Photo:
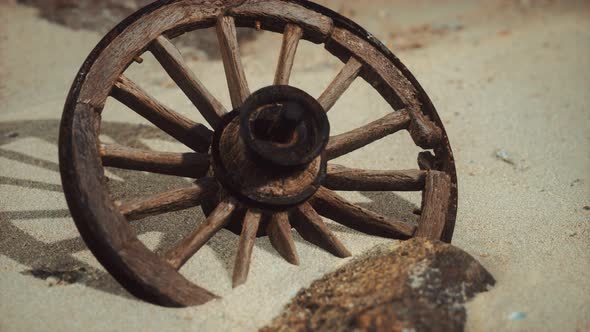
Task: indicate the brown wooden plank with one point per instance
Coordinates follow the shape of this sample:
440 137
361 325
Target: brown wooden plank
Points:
194 135
187 247
291 38
331 205
171 59
312 228
232 62
278 13
435 205
424 132
173 18
340 84
381 73
344 178
193 165
357 138
245 246
279 233
169 201
389 80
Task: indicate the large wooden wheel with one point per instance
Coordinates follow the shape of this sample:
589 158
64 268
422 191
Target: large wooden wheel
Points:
265 167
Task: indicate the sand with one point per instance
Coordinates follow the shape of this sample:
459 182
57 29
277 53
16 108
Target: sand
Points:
510 79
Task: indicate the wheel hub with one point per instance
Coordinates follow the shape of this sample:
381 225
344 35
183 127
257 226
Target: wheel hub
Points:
268 152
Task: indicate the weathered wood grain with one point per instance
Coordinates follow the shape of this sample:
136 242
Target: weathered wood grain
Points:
381 73
194 135
357 138
312 228
193 165
340 84
125 43
344 178
435 205
389 80
232 62
291 38
275 14
279 233
331 205
424 132
172 61
245 246
169 201
187 247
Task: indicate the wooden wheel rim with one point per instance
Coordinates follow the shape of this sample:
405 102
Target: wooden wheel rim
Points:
103 228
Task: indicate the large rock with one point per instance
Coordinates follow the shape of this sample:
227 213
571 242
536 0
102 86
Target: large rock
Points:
417 285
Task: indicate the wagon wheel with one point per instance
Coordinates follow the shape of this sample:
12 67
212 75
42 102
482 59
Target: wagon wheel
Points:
264 168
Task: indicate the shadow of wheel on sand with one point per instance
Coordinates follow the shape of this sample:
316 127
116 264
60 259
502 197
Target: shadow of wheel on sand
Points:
56 262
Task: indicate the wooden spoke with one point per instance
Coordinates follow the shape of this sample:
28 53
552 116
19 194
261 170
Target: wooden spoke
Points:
230 53
171 59
291 37
435 205
341 82
343 178
331 205
279 232
169 201
205 231
312 228
357 138
424 132
193 165
194 135
245 245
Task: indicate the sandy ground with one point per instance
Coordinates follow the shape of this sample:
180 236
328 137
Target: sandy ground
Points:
507 77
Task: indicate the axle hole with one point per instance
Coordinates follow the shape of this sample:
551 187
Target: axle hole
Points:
276 123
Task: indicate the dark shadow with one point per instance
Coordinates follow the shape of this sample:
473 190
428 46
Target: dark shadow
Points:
30 184
23 158
388 204
35 214
39 256
56 259
391 205
49 259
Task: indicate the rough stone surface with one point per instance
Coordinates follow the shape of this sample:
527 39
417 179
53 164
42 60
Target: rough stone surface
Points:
417 285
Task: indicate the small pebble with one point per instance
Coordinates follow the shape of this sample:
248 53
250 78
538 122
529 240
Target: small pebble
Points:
517 315
52 281
12 134
503 155
587 208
